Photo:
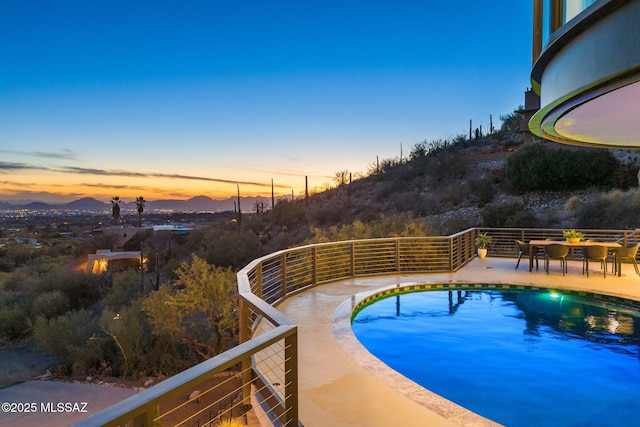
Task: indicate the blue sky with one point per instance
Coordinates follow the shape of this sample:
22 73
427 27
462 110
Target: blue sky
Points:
176 99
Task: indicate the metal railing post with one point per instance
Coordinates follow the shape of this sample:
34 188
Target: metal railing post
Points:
283 275
259 280
291 379
314 265
450 253
397 255
244 325
146 419
353 258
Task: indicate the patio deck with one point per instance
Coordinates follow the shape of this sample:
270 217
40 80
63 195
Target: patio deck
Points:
342 384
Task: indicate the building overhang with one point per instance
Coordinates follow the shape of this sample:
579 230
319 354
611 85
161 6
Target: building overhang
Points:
588 79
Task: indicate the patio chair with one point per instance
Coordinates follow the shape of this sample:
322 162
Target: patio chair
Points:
596 253
524 249
559 252
628 253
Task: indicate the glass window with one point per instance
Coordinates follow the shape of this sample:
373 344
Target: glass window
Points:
546 21
574 7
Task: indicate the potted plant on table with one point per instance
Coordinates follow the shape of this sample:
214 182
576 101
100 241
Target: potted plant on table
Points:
482 241
573 236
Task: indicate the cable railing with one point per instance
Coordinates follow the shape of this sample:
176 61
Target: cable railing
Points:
502 243
263 367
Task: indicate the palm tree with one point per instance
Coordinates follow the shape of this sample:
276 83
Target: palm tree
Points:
140 205
115 202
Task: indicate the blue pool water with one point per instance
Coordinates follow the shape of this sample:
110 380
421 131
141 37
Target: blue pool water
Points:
521 358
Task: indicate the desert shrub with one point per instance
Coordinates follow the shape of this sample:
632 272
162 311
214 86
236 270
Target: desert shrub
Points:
615 210
454 225
408 202
387 166
401 173
386 189
432 148
447 165
511 121
484 191
595 214
507 215
367 214
624 176
497 175
5 266
22 280
198 309
50 304
535 167
572 204
327 214
19 254
255 223
67 336
235 248
402 201
14 324
400 225
124 339
81 289
454 193
124 289
287 213
170 268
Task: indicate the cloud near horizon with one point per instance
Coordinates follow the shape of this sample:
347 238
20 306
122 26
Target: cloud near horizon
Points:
69 169
11 166
19 166
65 154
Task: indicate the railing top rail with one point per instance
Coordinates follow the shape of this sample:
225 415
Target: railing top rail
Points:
144 401
273 255
273 315
243 280
586 230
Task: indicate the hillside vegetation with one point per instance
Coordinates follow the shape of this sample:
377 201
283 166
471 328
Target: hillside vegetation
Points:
181 310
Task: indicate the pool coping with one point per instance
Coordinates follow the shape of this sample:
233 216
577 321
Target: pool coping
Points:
343 334
343 384
346 339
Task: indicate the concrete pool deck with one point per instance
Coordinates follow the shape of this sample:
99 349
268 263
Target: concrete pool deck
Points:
342 384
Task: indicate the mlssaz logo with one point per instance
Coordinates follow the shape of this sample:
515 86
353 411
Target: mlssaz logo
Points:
63 407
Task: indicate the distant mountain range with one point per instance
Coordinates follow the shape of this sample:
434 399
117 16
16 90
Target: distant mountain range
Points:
194 204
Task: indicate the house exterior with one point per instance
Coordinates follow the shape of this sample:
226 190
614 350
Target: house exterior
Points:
586 71
99 262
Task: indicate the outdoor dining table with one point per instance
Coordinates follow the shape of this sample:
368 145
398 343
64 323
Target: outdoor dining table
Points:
535 244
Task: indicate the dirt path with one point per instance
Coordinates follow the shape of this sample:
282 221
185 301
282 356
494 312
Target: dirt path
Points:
22 362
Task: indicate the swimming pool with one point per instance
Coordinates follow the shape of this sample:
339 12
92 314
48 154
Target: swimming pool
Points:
518 357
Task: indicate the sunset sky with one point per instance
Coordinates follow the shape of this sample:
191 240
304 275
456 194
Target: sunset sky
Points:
169 99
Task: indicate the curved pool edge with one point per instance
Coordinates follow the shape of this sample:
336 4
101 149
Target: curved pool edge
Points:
335 390
346 339
341 328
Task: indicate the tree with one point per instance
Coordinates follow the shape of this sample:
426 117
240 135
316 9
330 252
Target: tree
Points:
115 210
341 178
197 309
511 121
140 207
126 330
